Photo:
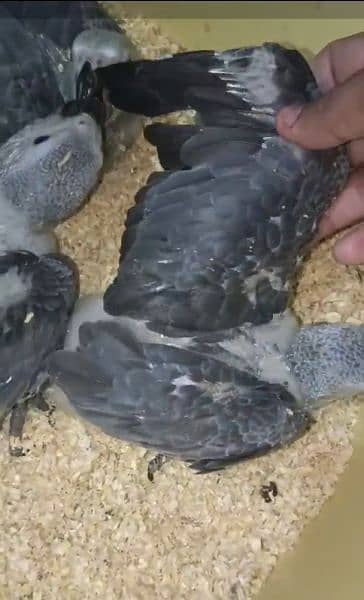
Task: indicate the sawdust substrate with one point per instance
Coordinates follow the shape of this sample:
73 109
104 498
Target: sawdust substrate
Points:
79 518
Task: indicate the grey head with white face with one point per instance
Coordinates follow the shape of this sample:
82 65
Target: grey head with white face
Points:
48 169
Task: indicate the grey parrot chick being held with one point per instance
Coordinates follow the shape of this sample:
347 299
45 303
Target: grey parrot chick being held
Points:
194 351
37 296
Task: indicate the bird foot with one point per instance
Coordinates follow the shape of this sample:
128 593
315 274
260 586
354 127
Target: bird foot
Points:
17 420
155 465
40 403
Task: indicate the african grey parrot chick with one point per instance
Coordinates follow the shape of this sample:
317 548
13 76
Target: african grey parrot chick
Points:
51 152
178 401
62 37
37 296
195 352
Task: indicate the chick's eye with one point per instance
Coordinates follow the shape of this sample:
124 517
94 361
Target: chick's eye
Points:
41 139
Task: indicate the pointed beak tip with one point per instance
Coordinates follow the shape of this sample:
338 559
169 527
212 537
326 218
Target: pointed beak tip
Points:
91 106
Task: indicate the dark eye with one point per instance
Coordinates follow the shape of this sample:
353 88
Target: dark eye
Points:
41 139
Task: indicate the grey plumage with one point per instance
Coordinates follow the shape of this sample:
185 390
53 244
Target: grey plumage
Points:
51 156
42 50
28 86
240 202
196 353
72 33
51 159
49 168
327 360
37 296
174 400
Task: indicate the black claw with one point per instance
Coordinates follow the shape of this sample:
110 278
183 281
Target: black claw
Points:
155 465
268 492
2 421
17 421
51 420
16 450
39 403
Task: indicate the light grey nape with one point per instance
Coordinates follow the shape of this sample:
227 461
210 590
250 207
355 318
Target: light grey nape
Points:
101 47
90 309
328 361
16 233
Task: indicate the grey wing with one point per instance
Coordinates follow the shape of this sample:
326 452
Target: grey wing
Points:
33 321
221 86
215 241
28 87
22 350
174 401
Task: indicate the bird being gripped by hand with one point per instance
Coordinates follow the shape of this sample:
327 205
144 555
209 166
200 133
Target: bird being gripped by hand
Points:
194 351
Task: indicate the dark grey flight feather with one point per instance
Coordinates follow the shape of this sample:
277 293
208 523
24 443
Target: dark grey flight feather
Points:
174 401
37 296
200 81
216 240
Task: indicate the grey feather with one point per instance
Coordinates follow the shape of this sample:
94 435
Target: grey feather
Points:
50 160
197 354
216 241
40 55
28 87
172 400
43 49
37 296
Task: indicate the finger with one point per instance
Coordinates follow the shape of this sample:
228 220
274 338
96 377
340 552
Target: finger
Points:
349 250
338 61
333 119
347 210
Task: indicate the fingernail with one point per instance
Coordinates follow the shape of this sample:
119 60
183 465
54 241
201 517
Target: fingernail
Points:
289 115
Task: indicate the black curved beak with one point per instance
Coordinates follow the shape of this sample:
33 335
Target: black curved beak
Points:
89 97
91 106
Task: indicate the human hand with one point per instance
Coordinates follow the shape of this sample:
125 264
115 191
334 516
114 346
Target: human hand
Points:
336 118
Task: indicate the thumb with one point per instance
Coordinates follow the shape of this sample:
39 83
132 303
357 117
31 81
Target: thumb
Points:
349 250
334 119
